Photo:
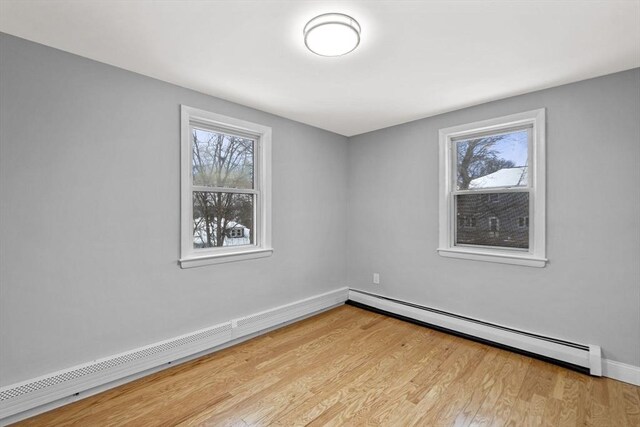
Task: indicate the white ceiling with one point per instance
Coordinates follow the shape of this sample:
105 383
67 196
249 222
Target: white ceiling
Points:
416 58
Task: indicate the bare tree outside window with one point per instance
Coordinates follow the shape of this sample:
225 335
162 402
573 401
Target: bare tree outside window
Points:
487 168
479 157
494 168
221 164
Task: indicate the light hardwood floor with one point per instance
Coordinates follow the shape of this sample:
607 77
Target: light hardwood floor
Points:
352 367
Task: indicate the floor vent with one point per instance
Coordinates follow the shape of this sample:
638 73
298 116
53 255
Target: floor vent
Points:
580 357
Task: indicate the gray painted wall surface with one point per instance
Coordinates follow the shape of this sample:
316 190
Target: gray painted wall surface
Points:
89 162
89 189
590 290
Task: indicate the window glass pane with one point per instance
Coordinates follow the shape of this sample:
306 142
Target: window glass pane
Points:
221 160
498 160
222 219
487 220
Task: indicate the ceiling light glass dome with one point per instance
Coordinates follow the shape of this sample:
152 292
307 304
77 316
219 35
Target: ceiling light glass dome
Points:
332 34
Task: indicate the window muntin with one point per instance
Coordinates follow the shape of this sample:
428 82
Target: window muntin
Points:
494 169
225 189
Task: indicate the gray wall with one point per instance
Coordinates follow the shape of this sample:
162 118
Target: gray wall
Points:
89 161
590 290
89 190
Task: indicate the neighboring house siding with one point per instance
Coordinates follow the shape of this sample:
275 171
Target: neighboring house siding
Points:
494 219
511 211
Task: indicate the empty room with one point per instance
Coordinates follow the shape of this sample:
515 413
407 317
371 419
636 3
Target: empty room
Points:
324 213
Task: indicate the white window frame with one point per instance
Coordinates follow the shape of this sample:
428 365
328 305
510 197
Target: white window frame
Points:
535 256
191 257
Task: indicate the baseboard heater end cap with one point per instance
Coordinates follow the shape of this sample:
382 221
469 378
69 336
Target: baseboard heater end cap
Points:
595 360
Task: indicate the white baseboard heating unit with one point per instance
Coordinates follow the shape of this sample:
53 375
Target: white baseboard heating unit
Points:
28 398
581 357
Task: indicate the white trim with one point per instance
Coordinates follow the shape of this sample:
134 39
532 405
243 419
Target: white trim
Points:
190 257
536 188
595 360
554 350
199 261
621 371
28 405
462 252
30 401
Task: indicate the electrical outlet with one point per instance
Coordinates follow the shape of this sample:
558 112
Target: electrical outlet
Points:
376 278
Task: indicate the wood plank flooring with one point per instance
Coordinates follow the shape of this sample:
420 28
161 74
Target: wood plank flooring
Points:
352 367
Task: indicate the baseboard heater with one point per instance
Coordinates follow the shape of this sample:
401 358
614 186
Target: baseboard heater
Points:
28 398
580 357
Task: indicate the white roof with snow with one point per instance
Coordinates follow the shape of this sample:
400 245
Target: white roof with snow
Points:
507 177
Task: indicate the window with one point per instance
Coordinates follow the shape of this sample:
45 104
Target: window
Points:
466 221
238 233
492 180
225 173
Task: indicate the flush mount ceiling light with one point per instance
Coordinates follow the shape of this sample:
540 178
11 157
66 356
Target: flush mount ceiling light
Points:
332 34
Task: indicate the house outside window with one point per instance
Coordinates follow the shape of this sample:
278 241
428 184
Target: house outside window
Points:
493 171
225 189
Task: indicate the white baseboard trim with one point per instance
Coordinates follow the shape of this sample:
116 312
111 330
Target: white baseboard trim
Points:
28 398
621 371
33 397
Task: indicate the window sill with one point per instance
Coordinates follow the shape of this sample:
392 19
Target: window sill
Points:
500 257
199 261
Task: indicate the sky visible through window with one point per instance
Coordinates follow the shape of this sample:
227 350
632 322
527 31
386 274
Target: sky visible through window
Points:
501 157
514 147
486 218
222 161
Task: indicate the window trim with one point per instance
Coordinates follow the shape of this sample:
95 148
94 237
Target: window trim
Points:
190 257
535 256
